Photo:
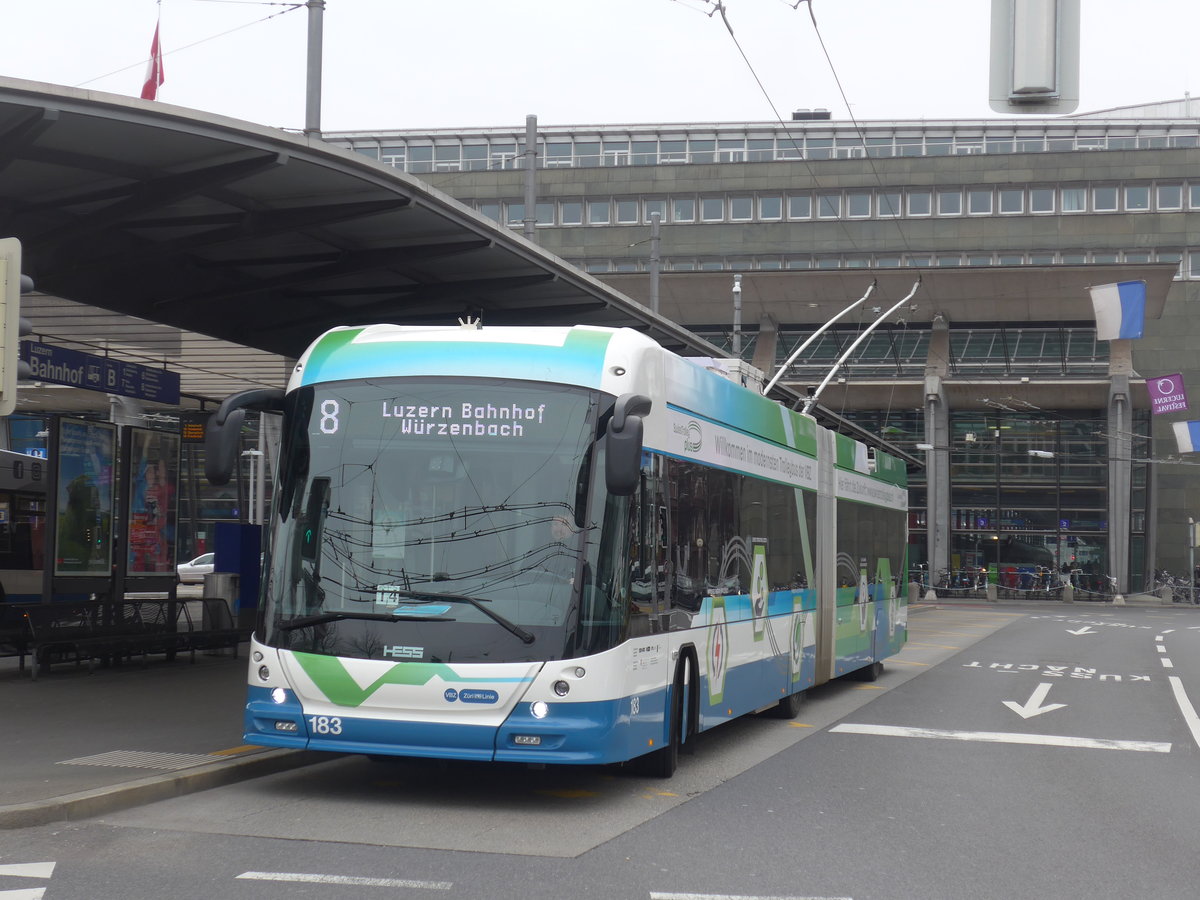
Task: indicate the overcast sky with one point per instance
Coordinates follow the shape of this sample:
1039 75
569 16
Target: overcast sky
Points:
445 63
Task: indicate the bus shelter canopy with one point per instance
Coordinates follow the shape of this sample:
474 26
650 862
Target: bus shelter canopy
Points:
207 226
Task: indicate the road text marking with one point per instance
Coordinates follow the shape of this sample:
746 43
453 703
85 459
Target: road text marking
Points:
1002 737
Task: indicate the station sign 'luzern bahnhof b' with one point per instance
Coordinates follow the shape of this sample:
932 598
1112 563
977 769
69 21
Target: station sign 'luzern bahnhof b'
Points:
58 365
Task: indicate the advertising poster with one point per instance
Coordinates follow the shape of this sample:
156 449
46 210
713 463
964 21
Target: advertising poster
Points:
84 534
154 483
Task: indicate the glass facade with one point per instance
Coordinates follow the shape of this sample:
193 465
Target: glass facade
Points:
1017 512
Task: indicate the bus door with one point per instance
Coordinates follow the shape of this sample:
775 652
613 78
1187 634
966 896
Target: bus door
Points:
651 574
891 617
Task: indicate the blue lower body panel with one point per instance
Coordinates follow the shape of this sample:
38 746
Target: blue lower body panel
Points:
579 733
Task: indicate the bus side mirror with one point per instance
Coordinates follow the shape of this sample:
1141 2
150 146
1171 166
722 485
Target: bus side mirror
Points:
623 444
222 437
221 445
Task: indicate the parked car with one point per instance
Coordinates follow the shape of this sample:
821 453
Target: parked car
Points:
193 572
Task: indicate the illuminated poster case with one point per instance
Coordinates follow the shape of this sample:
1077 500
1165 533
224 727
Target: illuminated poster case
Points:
83 538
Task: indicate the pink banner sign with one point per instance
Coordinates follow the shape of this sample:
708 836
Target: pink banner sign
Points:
1167 394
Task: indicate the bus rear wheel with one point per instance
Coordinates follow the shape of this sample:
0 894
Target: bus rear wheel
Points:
870 672
787 708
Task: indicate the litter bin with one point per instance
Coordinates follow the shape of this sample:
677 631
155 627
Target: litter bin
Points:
225 586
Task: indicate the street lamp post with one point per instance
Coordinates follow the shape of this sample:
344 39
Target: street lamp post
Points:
1192 558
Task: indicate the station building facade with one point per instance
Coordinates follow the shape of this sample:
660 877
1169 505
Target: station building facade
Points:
1038 441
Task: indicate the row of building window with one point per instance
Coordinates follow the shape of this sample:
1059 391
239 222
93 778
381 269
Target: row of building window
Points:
456 154
775 262
903 351
852 204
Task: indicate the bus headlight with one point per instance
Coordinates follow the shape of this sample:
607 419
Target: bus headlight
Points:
561 688
264 673
279 695
539 709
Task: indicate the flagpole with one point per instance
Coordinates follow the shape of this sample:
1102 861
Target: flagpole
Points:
312 109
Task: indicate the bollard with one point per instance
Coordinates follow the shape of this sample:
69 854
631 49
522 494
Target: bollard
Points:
1118 600
931 596
993 593
1068 593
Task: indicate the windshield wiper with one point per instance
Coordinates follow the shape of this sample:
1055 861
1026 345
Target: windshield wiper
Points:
473 601
322 618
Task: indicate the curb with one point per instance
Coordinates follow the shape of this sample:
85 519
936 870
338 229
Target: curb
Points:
153 788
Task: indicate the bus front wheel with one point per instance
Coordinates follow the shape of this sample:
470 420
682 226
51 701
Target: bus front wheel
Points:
662 763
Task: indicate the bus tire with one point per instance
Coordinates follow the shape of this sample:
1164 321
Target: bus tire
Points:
788 707
870 672
662 763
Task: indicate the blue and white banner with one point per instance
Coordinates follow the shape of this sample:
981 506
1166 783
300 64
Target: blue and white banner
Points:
1120 309
1188 436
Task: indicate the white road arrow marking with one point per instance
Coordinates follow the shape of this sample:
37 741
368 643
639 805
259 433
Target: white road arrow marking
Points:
1033 706
1083 630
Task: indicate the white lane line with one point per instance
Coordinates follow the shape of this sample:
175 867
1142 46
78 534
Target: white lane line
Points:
1167 664
347 879
29 870
1004 737
1161 649
1185 707
24 894
658 895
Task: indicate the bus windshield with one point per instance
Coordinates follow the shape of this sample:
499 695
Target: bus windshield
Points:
447 520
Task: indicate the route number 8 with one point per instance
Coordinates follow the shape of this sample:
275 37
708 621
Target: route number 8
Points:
329 417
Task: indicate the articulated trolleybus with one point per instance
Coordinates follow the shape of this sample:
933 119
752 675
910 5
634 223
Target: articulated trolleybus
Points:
554 545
